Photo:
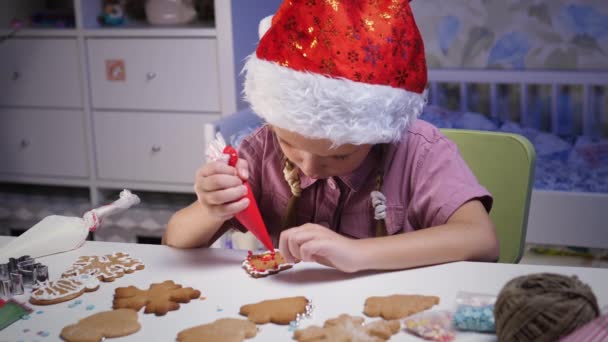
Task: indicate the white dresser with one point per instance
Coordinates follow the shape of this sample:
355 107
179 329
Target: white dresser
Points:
107 108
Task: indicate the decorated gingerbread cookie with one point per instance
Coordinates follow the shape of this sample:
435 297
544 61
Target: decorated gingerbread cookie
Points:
225 329
106 324
64 289
107 267
349 328
158 299
398 306
278 311
267 263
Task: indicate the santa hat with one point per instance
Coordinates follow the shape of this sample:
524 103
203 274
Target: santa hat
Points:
348 71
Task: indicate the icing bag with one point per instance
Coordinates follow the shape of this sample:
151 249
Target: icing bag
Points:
57 234
250 217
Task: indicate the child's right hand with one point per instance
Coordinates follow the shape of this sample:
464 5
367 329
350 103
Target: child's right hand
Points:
220 189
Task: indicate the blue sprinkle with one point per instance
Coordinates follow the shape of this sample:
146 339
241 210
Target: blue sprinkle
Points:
26 317
219 309
475 318
90 307
78 302
71 305
39 312
44 333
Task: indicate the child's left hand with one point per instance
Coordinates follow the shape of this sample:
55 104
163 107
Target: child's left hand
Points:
313 242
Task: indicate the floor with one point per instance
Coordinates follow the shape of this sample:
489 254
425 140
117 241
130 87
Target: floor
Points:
565 256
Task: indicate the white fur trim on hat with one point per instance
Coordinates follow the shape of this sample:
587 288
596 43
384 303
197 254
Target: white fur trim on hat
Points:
264 26
320 107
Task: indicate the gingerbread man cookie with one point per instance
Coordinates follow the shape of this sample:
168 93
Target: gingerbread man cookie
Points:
265 264
158 299
62 290
106 324
278 311
107 267
398 306
349 328
225 329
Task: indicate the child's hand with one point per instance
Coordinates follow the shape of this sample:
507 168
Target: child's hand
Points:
313 242
220 190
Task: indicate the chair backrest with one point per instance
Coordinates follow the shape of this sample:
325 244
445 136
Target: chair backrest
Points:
504 164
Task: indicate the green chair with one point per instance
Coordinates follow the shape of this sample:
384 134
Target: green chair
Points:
504 164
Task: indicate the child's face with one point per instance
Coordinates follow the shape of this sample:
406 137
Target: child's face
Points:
316 158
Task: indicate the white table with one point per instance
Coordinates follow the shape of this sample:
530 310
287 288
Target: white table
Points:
218 274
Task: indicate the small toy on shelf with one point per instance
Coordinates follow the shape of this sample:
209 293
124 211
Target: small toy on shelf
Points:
112 13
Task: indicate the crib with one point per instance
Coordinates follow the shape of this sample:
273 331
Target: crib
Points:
565 104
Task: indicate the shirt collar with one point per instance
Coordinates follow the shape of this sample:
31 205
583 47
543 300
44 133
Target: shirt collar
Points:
356 179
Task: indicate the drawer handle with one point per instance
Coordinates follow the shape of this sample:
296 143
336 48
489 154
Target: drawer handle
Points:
156 148
25 143
16 75
150 76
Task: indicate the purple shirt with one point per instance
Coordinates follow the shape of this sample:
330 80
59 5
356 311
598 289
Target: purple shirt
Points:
425 181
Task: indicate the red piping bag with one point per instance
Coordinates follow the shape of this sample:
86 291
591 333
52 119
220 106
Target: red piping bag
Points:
250 217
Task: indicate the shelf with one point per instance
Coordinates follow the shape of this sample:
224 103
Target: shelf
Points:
145 186
44 180
37 14
34 32
151 32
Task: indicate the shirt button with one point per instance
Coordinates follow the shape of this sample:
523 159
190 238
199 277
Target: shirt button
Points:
331 183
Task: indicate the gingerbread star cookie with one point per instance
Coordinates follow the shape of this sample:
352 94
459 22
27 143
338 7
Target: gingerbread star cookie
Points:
107 267
398 306
106 324
62 290
159 299
349 328
225 329
265 264
278 311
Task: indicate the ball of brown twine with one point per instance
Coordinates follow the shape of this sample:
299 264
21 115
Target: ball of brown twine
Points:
543 307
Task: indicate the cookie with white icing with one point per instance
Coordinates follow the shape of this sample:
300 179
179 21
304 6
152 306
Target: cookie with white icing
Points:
107 267
265 264
63 289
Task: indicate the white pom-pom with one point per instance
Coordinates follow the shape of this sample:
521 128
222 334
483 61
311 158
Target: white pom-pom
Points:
264 26
379 203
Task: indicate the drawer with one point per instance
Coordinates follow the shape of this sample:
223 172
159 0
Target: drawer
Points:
40 72
150 147
38 142
154 74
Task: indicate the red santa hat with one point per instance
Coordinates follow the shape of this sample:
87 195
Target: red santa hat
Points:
348 71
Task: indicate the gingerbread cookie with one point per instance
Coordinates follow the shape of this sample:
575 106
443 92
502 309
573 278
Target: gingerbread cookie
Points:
267 263
158 299
349 328
106 324
225 329
107 267
398 306
62 290
279 311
